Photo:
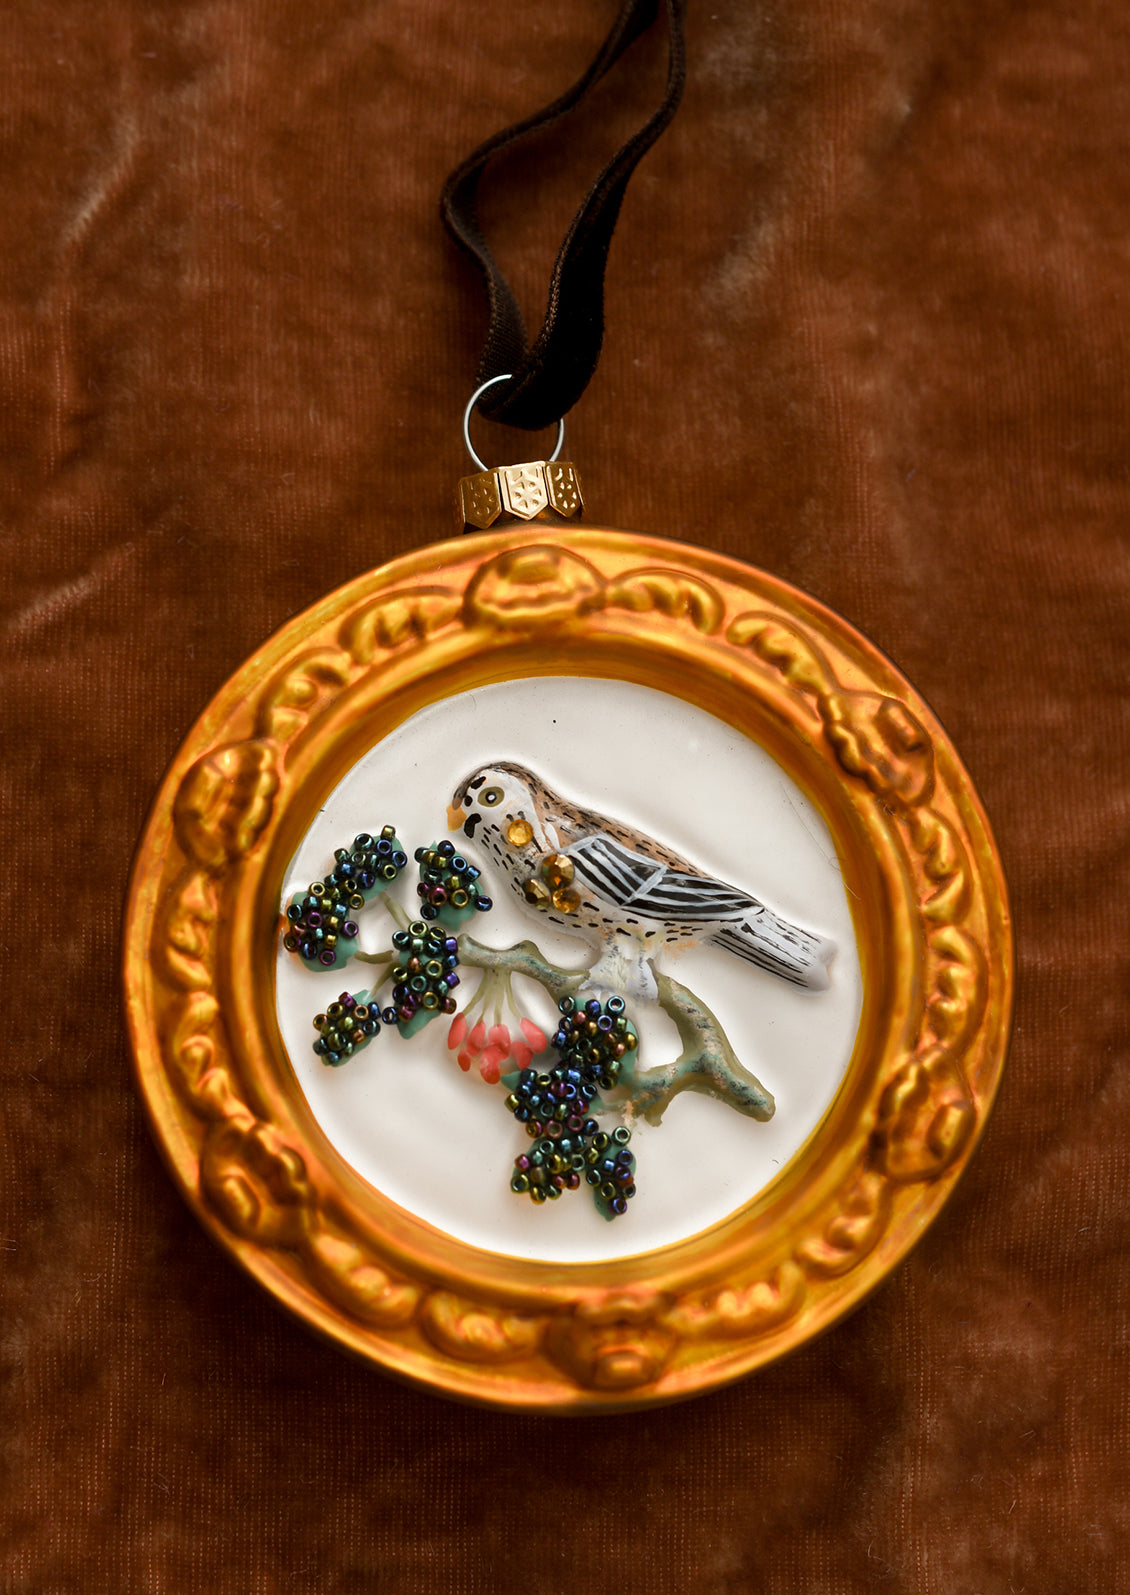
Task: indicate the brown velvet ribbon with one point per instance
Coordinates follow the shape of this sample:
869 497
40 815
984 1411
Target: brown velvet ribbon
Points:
549 376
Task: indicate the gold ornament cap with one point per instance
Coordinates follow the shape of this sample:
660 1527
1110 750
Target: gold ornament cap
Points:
540 490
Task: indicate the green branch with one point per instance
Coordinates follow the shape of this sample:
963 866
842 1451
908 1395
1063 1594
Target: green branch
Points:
707 1062
523 959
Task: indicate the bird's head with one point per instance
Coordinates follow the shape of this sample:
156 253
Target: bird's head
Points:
498 800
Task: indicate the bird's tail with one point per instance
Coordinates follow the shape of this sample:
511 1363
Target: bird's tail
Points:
785 950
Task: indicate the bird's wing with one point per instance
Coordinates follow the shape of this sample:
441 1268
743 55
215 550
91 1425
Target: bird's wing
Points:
744 927
641 886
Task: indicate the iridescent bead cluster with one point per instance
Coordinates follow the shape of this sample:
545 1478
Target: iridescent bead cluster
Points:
344 1029
595 1038
592 1041
424 976
320 927
448 887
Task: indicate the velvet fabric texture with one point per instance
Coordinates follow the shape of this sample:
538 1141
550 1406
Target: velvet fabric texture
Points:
867 313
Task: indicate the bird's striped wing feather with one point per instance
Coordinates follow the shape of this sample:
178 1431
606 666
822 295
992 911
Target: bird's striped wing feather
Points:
610 870
639 886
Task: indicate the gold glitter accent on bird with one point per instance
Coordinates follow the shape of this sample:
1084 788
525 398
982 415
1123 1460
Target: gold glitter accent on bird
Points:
553 882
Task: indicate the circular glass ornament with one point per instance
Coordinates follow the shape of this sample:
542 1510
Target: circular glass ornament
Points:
611 1325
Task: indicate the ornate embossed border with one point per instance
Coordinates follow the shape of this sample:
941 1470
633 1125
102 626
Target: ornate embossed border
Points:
932 926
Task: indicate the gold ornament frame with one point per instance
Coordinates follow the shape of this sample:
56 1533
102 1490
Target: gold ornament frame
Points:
932 928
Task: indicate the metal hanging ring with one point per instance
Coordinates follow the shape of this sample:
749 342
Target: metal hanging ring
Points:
467 413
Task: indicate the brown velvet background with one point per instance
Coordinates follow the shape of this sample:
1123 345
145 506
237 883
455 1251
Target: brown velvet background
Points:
867 323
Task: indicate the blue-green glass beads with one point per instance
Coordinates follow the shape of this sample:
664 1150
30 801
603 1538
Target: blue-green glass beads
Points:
596 1038
344 1029
448 890
321 928
423 978
569 1147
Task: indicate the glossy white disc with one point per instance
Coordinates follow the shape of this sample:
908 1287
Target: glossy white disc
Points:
440 1142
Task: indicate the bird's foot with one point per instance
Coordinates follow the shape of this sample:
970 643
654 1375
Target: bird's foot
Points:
621 971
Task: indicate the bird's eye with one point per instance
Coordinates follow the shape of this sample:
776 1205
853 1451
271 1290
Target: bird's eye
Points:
491 796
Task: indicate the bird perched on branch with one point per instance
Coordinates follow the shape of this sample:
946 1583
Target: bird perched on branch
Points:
620 890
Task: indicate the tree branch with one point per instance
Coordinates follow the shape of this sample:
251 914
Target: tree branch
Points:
707 1063
522 959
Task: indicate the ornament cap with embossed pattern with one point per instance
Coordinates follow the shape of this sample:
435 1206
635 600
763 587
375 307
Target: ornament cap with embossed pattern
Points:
539 490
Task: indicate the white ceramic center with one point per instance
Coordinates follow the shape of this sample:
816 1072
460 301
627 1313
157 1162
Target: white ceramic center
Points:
440 1142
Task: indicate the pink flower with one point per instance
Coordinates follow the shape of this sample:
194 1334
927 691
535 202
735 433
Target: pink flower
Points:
490 1064
488 1048
491 1049
534 1037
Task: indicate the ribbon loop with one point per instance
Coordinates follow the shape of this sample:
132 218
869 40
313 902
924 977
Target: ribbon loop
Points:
550 375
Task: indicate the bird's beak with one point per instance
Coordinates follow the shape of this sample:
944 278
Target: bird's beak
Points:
455 816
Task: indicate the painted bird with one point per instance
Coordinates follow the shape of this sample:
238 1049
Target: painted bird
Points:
626 894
